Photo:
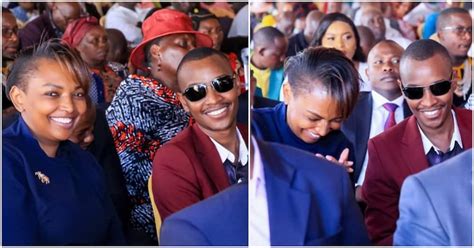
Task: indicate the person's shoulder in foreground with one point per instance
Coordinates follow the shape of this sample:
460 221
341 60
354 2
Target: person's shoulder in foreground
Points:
436 204
309 190
219 220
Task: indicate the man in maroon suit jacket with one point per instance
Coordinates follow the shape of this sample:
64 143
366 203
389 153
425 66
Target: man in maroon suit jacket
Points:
434 133
211 154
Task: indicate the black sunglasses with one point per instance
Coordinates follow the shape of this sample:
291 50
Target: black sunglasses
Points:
198 91
437 89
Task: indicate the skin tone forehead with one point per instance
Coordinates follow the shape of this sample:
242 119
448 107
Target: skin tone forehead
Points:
8 20
436 67
42 70
201 69
459 19
370 14
384 49
337 28
326 107
209 23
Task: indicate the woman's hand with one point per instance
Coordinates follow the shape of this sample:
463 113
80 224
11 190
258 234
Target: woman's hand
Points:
343 160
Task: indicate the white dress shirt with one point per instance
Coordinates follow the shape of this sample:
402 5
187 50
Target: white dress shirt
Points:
455 138
259 227
125 20
379 117
226 154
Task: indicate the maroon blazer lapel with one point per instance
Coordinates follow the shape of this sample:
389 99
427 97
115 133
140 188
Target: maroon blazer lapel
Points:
243 128
209 158
412 147
464 119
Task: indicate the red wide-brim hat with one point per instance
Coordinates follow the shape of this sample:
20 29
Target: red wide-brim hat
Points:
162 23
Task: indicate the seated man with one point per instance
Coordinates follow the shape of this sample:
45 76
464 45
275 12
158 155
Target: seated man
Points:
266 61
379 109
454 28
433 209
303 201
210 155
435 132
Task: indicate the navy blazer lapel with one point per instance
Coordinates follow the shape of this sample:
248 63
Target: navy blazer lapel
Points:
209 158
288 208
406 110
362 132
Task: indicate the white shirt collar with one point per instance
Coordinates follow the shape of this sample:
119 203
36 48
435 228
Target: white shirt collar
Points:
226 154
380 100
456 137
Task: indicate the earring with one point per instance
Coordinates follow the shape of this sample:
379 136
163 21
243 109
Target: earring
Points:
158 66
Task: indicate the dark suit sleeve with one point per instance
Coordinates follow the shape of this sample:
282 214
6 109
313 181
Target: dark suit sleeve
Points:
181 232
381 198
103 149
354 231
174 181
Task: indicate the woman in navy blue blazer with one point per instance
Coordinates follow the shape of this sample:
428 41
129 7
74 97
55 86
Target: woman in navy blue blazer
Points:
322 89
54 192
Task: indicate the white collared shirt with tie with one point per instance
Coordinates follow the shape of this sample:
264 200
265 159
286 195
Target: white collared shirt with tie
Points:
379 117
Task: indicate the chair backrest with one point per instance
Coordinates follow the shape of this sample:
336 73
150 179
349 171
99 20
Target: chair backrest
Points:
156 214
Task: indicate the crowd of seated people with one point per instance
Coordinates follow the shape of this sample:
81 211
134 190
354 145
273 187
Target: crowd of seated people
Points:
105 100
411 111
237 123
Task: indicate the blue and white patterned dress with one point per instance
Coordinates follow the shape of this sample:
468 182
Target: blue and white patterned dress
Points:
144 115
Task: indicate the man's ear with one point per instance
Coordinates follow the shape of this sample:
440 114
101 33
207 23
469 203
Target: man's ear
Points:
287 93
18 98
367 73
183 101
399 82
440 36
261 51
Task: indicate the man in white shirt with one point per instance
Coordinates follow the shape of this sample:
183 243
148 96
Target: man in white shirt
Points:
372 111
425 72
373 19
211 154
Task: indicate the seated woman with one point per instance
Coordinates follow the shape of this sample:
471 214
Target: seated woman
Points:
320 94
54 193
336 30
146 113
90 40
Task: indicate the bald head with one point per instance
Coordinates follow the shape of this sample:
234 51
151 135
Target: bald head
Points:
286 23
373 19
267 36
422 50
445 17
384 46
383 68
312 23
367 39
64 13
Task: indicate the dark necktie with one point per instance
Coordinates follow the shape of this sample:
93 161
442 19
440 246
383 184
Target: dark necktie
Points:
390 122
435 158
235 173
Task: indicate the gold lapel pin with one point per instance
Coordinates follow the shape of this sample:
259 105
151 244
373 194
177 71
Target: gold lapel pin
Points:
42 177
